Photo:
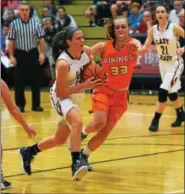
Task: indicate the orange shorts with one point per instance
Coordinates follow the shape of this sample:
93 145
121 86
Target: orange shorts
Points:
114 102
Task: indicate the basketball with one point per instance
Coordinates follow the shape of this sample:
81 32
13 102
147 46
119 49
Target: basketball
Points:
93 70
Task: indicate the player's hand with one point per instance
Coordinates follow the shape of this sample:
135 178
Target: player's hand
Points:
30 131
92 83
131 46
180 51
144 50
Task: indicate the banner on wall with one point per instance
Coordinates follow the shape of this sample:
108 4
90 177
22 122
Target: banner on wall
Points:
148 64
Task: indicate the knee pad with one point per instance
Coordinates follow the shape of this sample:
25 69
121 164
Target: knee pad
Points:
173 96
162 95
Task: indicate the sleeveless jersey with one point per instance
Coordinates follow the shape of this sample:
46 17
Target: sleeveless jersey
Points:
118 65
75 68
166 43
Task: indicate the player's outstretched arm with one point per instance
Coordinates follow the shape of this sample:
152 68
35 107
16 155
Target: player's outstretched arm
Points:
98 48
14 110
148 42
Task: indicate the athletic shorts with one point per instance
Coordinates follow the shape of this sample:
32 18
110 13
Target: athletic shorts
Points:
170 74
63 105
115 103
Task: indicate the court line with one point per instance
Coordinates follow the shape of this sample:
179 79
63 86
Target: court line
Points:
143 144
112 144
99 162
113 138
85 117
177 192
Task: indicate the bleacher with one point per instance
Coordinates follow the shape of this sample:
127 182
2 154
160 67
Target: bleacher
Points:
77 10
95 34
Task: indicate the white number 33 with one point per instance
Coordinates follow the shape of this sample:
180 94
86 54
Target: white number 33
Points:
119 70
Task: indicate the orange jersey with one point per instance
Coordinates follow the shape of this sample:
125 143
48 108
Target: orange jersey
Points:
118 65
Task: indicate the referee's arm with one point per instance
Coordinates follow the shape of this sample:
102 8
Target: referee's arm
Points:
11 44
41 34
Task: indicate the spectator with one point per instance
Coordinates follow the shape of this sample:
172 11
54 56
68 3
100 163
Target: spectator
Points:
181 18
5 34
173 16
135 17
150 6
103 11
50 32
146 24
116 7
91 15
124 10
6 72
50 5
46 14
8 16
64 2
4 4
33 13
12 4
2 41
24 55
64 20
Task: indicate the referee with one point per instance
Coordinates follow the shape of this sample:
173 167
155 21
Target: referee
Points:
24 35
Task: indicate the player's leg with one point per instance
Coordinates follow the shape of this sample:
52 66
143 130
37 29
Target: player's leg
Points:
180 114
162 96
60 136
161 104
28 153
116 110
4 184
173 96
74 120
100 107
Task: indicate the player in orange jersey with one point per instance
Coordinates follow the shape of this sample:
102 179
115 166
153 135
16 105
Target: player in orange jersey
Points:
118 58
14 111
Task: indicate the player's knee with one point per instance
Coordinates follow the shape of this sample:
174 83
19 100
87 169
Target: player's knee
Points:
76 126
162 95
173 96
99 125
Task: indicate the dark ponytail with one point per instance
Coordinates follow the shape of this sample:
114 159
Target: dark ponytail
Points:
59 42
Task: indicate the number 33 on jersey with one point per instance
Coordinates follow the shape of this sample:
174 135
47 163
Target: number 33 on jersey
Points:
118 65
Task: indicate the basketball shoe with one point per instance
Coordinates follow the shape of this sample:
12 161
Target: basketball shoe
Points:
78 170
27 158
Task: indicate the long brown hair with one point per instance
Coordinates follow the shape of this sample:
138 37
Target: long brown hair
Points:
160 5
109 26
59 42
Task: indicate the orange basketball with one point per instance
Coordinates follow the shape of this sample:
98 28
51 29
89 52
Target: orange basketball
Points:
93 70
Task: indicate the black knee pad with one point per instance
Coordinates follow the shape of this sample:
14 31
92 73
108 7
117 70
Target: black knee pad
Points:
162 95
173 96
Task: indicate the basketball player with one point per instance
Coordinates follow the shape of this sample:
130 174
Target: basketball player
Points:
14 111
70 55
171 64
118 58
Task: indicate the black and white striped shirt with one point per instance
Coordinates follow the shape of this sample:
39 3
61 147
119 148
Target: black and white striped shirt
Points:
25 34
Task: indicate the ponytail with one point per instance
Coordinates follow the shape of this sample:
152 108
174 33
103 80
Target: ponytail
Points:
59 42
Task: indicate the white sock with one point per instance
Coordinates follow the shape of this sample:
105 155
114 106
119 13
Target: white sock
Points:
87 151
83 131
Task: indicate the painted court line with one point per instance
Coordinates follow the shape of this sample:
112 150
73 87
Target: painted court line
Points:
85 117
176 192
